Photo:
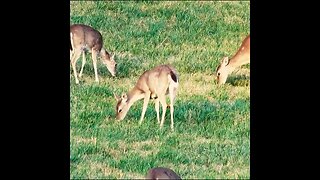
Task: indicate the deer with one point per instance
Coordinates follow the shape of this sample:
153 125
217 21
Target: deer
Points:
154 84
227 66
84 38
161 173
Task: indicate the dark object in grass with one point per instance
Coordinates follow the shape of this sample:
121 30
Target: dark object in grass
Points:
162 173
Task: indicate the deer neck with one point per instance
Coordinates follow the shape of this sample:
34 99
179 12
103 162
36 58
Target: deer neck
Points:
231 66
236 62
134 95
104 54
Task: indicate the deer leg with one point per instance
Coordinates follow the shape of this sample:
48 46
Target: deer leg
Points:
94 60
172 94
153 96
71 54
83 62
75 57
153 91
145 104
156 105
163 102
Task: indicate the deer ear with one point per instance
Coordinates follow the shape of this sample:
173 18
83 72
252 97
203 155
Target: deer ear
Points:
112 57
225 61
117 97
124 97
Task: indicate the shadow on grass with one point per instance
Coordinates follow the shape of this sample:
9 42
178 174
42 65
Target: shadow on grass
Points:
195 111
201 110
239 80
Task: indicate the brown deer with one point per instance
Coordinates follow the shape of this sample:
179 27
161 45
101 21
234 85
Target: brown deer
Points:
161 173
227 66
84 38
152 84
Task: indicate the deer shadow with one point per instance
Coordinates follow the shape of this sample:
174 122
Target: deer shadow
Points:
240 77
239 80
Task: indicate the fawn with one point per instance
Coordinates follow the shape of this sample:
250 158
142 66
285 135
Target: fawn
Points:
227 66
152 84
84 38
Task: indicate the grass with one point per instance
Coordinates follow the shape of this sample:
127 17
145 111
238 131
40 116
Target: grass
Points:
212 123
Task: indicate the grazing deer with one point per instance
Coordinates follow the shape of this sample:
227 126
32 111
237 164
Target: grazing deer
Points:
227 66
85 38
152 84
162 173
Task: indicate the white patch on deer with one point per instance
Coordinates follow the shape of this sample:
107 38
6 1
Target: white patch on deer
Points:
71 39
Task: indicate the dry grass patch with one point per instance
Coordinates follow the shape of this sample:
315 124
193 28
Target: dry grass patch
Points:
195 84
82 8
78 139
111 171
198 140
142 148
146 148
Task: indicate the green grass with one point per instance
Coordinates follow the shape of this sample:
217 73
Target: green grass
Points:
212 123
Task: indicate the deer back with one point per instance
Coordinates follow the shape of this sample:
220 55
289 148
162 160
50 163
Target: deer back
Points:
83 36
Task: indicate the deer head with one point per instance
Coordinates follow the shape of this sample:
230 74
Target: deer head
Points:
122 106
223 71
109 62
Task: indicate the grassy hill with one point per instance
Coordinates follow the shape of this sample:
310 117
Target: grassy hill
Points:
212 123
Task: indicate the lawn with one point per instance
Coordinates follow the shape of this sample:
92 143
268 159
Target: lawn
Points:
212 123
